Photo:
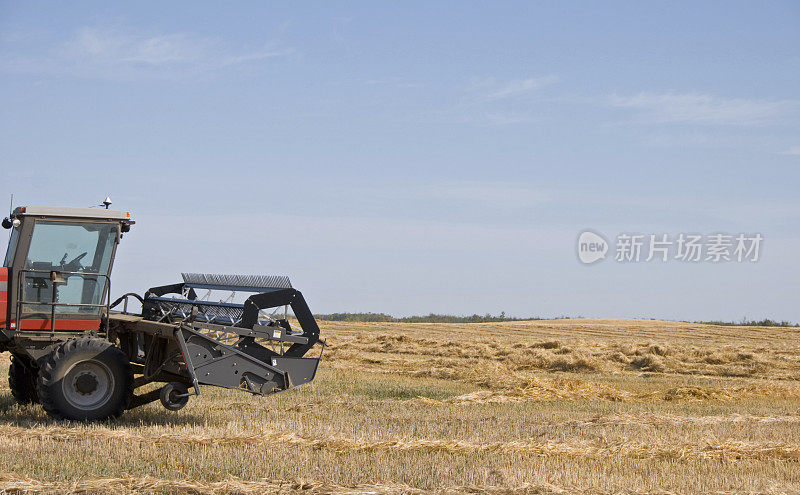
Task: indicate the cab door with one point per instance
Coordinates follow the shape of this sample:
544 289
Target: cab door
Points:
63 277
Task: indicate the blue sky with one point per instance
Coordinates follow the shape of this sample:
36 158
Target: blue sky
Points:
413 157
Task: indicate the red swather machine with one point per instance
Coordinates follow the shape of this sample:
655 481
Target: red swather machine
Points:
81 359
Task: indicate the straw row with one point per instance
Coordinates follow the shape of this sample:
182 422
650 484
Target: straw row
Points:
578 448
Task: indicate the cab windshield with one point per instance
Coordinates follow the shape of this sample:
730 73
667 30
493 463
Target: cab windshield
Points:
81 252
12 247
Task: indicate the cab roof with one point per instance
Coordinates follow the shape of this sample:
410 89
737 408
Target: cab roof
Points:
72 212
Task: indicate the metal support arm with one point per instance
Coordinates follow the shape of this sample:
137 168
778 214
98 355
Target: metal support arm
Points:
292 297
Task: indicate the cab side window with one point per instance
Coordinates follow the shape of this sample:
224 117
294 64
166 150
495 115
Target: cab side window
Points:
78 251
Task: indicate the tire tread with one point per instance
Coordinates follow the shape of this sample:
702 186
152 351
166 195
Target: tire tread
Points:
22 381
46 375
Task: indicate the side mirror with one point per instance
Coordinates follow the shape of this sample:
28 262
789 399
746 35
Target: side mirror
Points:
7 223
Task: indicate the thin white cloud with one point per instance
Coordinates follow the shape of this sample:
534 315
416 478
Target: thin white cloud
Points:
114 47
490 101
497 194
124 54
395 82
703 109
793 151
522 86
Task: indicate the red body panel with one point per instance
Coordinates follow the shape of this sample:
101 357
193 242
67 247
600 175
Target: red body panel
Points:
39 323
65 325
3 295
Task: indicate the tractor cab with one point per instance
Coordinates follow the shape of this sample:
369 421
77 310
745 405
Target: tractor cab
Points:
57 268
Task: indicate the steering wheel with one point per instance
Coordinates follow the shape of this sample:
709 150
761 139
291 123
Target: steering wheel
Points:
75 264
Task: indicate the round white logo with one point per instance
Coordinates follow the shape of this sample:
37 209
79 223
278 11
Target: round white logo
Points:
592 247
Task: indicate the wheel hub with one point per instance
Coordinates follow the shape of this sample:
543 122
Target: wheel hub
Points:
88 385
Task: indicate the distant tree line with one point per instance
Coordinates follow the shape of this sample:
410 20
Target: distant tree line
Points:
431 318
744 322
488 318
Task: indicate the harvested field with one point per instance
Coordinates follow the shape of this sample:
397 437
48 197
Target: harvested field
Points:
555 406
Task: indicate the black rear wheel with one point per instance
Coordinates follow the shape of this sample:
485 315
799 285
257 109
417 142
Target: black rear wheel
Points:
22 380
86 379
174 396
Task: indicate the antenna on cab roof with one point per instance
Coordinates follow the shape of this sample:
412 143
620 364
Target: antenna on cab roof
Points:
7 223
106 203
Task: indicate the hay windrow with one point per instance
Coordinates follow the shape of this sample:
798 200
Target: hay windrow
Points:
537 390
590 354
677 419
14 483
578 448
